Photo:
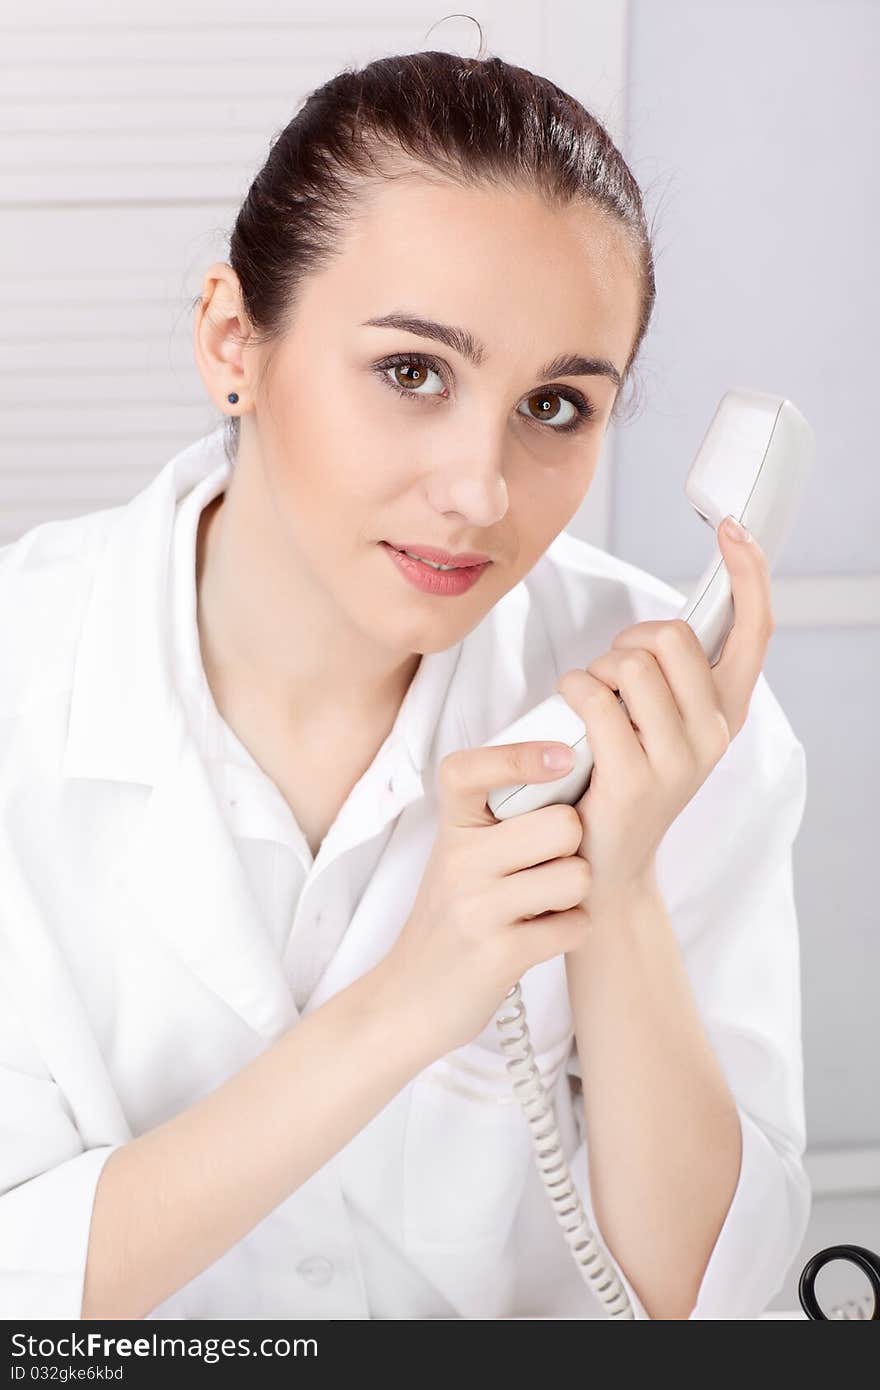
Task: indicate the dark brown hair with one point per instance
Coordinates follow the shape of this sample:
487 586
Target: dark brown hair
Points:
437 116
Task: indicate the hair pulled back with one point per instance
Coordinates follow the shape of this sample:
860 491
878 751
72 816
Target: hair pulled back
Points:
434 115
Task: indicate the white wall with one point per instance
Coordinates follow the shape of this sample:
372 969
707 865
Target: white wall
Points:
762 134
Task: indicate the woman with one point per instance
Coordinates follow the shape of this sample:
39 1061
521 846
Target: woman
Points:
257 918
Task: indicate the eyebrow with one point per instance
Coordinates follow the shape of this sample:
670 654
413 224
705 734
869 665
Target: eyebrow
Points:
463 342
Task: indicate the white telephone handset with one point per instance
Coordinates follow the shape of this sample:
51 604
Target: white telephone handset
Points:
753 463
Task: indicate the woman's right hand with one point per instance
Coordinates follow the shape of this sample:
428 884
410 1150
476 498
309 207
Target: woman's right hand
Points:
468 938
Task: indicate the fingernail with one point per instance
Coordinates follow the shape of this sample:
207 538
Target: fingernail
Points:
734 530
558 757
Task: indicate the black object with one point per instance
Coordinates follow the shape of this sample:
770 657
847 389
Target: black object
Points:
867 1261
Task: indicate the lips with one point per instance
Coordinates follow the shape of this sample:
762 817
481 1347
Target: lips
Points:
438 583
463 560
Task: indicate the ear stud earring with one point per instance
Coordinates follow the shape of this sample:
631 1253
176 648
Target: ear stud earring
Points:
232 397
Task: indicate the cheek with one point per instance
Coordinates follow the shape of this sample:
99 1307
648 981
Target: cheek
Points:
542 508
319 466
572 485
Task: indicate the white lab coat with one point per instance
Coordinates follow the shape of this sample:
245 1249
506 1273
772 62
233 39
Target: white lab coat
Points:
134 978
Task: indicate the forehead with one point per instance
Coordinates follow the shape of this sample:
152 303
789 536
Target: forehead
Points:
500 261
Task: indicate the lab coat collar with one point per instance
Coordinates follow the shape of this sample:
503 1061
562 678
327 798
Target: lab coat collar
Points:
123 699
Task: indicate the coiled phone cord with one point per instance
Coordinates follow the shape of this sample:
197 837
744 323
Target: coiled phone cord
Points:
538 1105
555 1173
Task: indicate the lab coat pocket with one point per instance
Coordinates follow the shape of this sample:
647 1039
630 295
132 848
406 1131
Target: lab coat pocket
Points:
467 1148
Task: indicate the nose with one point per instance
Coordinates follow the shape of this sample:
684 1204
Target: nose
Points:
474 492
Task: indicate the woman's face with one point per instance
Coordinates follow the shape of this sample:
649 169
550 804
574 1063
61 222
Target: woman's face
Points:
442 451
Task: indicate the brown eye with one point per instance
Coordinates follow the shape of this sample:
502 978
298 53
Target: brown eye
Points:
409 375
546 408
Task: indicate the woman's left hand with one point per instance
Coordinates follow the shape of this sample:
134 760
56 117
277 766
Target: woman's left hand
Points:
685 714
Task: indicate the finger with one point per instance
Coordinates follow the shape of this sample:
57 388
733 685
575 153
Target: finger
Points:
742 657
613 742
553 887
466 776
685 667
735 673
650 705
553 935
536 837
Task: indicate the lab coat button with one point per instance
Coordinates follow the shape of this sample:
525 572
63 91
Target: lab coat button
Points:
315 1269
